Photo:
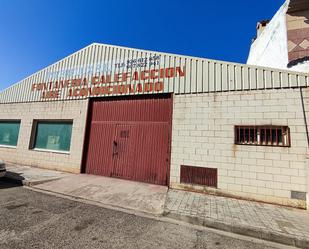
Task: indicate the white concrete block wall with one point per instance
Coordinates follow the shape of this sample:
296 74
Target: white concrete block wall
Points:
58 110
203 136
307 172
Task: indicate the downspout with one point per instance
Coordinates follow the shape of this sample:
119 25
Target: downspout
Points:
307 133
307 174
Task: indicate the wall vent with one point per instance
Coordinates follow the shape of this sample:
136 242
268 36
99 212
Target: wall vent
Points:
297 195
198 175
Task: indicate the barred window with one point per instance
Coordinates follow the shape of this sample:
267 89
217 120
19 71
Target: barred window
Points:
263 135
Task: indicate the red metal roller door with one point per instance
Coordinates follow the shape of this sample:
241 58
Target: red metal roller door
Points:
129 138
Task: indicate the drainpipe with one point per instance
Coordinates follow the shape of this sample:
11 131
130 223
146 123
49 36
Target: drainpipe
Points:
307 160
307 173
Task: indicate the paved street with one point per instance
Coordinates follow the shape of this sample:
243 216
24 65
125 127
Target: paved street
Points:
31 219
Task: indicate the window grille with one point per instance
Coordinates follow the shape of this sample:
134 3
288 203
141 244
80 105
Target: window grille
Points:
263 135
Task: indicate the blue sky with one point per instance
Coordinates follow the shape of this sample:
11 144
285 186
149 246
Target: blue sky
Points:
35 33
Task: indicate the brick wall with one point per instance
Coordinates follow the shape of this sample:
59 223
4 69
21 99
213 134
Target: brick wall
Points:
203 135
27 112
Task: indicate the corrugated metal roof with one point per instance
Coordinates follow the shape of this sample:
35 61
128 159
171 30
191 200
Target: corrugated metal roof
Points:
175 73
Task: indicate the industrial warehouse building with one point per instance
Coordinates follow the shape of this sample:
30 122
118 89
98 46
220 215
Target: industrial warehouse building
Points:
185 122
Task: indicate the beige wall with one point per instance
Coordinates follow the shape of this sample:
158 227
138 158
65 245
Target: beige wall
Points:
203 135
27 112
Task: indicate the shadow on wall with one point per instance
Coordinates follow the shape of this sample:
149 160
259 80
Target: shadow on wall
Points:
299 7
299 11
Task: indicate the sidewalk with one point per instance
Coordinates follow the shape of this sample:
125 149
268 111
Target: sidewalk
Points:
111 192
30 176
264 221
269 222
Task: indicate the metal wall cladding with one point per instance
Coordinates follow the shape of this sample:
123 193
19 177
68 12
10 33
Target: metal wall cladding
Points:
147 108
130 138
201 75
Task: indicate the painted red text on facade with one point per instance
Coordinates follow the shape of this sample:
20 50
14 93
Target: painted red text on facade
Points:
118 83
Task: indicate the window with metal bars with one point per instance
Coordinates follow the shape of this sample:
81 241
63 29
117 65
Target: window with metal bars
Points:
263 135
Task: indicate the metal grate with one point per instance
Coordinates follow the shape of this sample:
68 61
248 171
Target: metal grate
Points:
263 135
198 175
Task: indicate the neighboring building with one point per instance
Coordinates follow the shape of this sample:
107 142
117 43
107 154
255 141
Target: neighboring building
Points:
186 122
284 41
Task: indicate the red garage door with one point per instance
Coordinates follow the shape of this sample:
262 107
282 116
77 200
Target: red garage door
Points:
130 138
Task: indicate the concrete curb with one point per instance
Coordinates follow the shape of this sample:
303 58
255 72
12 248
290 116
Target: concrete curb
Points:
97 203
254 232
25 182
157 217
34 183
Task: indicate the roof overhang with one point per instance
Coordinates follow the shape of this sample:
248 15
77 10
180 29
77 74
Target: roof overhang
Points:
298 5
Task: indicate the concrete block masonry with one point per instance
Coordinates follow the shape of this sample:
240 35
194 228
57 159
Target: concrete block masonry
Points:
28 113
210 100
307 173
263 173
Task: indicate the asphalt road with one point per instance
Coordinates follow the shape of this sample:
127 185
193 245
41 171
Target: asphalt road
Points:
30 219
